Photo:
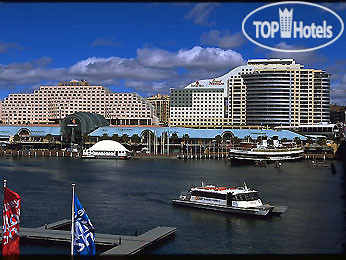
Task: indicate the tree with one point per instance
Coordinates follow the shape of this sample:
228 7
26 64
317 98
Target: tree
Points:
104 137
49 138
218 138
236 140
16 138
136 139
322 141
174 138
186 138
86 138
124 138
297 140
283 140
115 137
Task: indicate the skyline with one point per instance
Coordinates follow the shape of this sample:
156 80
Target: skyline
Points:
146 48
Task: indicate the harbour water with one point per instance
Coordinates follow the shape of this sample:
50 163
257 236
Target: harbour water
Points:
134 196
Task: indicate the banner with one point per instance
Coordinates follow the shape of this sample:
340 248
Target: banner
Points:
11 214
84 232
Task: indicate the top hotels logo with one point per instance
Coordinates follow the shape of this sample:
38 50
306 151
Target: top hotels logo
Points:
300 24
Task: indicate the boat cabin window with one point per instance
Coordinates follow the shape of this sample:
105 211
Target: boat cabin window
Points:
208 194
246 196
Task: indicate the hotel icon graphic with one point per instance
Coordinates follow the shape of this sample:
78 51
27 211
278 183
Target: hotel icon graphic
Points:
285 23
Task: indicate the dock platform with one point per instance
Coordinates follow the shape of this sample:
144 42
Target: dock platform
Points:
120 245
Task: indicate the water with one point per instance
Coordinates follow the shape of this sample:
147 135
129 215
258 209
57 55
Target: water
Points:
122 197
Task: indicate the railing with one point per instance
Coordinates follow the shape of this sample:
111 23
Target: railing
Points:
269 149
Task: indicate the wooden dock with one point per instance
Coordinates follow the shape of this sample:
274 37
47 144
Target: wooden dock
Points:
120 245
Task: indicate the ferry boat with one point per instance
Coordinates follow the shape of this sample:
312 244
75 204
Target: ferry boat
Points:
265 154
232 200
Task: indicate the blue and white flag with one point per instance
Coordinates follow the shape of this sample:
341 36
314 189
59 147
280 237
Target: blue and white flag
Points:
84 232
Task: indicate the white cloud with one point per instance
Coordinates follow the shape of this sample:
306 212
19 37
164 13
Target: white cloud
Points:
200 13
195 58
152 70
224 41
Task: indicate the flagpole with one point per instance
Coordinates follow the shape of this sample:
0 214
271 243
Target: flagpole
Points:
5 184
72 219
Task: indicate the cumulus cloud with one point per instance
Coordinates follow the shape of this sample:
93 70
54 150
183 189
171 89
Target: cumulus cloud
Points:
200 13
223 40
152 70
116 67
195 58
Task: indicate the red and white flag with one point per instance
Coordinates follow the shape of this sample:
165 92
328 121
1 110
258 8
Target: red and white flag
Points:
11 214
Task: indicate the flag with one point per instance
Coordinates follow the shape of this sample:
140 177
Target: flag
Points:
11 214
84 233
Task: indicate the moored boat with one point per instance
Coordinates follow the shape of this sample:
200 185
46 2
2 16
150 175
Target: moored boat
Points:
265 154
232 200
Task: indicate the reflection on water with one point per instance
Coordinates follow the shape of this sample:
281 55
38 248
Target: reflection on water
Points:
122 197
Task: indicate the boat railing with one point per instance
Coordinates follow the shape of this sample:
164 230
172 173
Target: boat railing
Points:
268 149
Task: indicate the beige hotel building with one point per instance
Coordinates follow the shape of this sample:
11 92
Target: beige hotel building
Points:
267 92
51 104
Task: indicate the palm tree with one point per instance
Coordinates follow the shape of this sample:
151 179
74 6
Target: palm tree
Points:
136 139
218 138
49 138
115 137
16 138
124 138
297 140
174 138
186 138
104 137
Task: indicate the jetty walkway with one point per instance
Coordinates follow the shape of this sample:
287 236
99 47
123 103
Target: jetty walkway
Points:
120 245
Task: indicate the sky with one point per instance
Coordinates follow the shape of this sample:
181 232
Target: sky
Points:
146 48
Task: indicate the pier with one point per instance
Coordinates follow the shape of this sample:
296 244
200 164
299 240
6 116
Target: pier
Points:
119 245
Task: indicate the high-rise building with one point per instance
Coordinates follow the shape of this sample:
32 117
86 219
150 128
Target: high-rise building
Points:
264 92
50 104
161 105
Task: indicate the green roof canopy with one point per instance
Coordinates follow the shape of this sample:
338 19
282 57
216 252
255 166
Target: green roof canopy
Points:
82 122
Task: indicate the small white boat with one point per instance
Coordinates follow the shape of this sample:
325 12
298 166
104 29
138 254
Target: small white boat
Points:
233 200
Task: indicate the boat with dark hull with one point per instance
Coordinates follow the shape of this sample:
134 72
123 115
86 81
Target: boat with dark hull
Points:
240 200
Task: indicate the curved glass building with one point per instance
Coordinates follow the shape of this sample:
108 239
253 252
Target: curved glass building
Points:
265 92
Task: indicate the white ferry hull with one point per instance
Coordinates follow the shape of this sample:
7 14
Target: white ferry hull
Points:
259 211
104 157
253 155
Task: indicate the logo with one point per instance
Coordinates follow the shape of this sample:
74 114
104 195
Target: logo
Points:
216 82
197 84
293 26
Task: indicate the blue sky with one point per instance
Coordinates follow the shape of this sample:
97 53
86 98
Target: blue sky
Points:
140 47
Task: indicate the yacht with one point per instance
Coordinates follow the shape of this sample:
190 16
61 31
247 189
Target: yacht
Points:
232 200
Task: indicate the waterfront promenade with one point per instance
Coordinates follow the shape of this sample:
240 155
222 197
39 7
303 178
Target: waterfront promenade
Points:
193 156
